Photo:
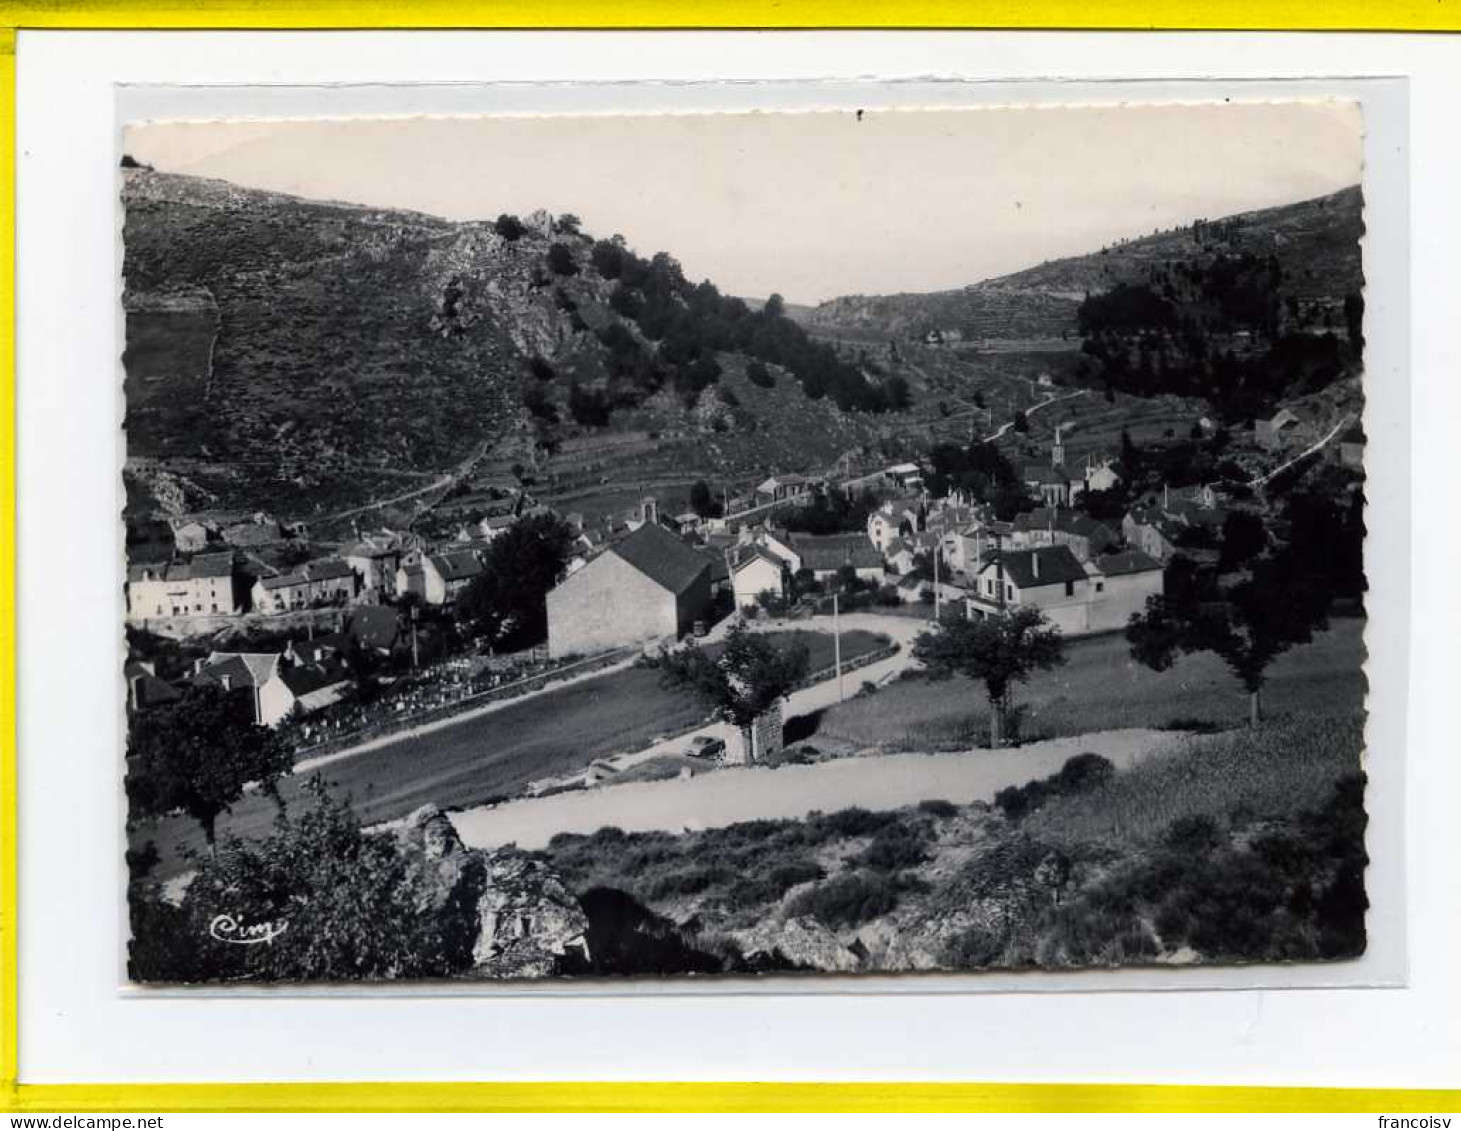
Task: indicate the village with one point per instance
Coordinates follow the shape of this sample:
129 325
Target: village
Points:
341 652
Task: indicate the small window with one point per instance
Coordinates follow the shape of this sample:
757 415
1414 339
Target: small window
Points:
1100 587
1070 588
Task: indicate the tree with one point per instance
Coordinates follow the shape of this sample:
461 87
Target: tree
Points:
702 502
198 754
507 601
746 679
568 224
1244 538
509 227
561 261
334 902
1248 625
1021 423
775 307
998 651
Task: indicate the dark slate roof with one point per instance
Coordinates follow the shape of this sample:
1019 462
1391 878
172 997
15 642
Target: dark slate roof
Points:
662 557
374 626
327 568
152 691
306 678
1044 473
748 554
284 581
1057 565
456 567
1131 561
719 569
833 551
211 565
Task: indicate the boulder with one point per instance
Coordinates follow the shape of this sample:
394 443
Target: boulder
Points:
529 923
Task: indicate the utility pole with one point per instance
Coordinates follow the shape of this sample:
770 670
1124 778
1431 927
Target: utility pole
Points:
837 645
415 648
937 546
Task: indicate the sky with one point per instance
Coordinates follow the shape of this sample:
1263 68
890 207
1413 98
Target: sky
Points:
808 205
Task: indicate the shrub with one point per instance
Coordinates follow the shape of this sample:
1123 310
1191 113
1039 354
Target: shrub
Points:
1085 772
758 374
896 847
848 900
938 808
539 368
561 261
854 821
509 227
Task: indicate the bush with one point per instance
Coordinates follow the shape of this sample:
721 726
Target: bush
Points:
1085 772
848 900
758 374
509 227
1080 774
896 847
854 821
561 261
938 808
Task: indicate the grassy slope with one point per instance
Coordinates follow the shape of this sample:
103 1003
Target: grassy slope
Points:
1102 688
945 887
326 367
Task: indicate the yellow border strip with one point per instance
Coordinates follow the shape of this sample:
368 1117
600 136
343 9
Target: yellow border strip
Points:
748 1097
9 808
1334 15
1288 15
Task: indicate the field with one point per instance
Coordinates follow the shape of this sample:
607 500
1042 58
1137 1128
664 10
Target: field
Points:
1102 688
495 754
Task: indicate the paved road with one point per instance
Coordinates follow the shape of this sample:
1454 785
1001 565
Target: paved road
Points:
745 793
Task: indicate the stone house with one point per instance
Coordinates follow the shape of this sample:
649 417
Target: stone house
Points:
437 578
755 570
260 675
203 586
828 554
646 587
328 581
1049 578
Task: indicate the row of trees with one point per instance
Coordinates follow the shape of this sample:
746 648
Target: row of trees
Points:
694 322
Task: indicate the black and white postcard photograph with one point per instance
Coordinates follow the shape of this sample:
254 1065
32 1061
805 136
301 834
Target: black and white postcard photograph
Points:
743 545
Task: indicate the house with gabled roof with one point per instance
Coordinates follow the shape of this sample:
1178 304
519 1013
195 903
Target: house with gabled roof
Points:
1282 428
1047 577
201 587
755 569
437 578
328 581
642 588
259 675
827 555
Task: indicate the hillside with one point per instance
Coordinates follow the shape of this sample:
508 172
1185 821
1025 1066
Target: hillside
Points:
318 359
1316 242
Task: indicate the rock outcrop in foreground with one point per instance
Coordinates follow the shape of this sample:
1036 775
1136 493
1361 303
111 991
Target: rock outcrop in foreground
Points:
526 922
